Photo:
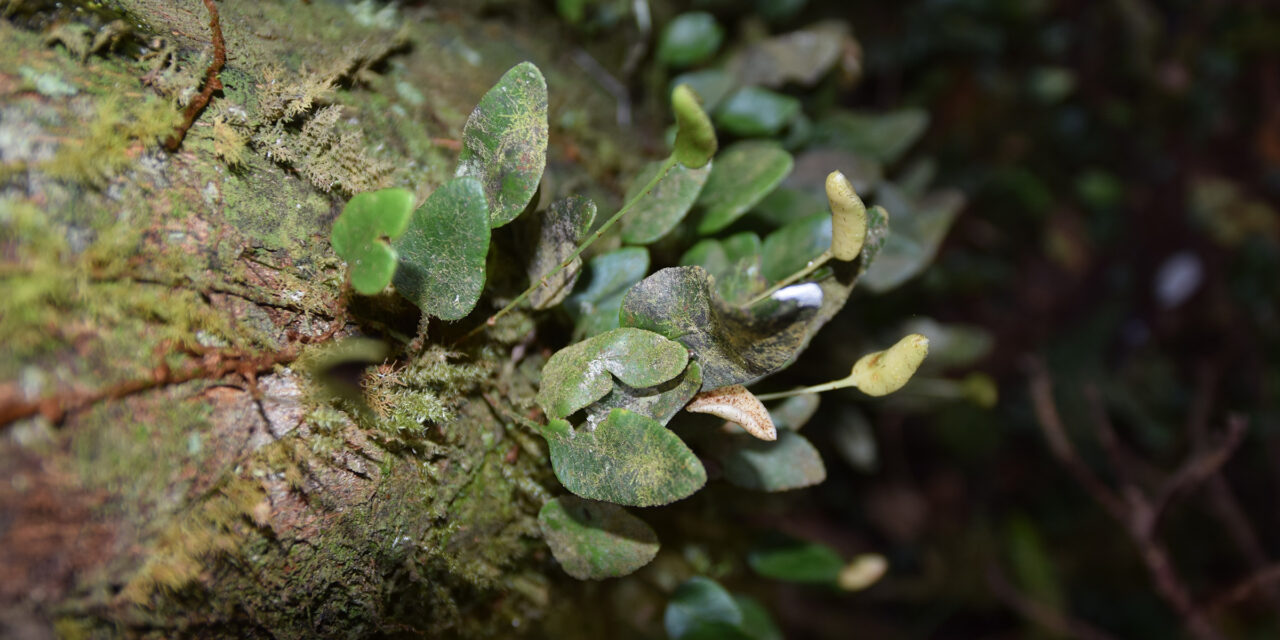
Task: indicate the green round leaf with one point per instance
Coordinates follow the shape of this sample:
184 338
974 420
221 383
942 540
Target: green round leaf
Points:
790 462
880 136
594 540
579 374
744 174
790 248
361 236
629 459
667 203
504 143
756 111
442 253
797 561
696 602
689 39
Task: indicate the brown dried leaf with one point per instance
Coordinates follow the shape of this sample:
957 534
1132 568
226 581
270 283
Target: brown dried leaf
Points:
735 404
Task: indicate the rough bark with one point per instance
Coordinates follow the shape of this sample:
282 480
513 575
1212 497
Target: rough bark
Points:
171 469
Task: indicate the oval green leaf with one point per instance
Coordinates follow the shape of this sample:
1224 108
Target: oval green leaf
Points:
689 39
362 235
667 203
579 374
699 601
628 459
442 253
504 143
594 305
755 112
880 136
790 462
790 248
595 540
744 174
797 561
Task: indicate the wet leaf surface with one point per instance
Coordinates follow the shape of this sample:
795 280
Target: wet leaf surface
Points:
732 345
667 203
504 143
629 459
595 540
361 236
442 253
558 230
581 373
594 306
744 174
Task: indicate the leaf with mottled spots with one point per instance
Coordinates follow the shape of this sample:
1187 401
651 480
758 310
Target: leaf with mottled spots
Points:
628 459
739 406
734 346
558 230
362 236
744 174
667 203
579 374
595 302
594 540
442 254
790 462
504 143
661 402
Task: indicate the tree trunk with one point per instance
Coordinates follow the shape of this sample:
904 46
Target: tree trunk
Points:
172 469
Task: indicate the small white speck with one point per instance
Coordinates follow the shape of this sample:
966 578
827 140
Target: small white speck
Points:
808 294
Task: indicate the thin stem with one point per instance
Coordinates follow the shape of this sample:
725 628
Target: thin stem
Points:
830 386
791 279
595 235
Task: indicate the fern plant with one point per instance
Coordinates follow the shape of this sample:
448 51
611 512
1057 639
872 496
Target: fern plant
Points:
647 345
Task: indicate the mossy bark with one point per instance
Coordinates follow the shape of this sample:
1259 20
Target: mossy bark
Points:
173 471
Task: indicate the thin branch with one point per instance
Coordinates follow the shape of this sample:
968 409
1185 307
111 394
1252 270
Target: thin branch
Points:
212 82
1055 621
1267 578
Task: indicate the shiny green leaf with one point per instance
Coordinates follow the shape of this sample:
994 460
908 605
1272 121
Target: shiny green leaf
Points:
504 143
744 174
362 235
755 111
594 305
579 374
689 39
667 203
628 459
442 253
594 540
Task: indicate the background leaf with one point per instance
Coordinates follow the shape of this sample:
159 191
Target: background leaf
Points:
442 253
732 345
594 305
698 601
880 136
628 459
919 225
800 57
667 203
594 540
756 111
579 374
559 229
504 143
790 462
689 39
797 561
790 248
744 174
712 85
361 236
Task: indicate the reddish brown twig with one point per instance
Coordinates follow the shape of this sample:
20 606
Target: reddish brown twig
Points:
1266 578
1040 613
211 81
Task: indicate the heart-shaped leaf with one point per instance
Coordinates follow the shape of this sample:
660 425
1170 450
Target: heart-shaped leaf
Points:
362 236
579 374
919 225
880 136
628 459
689 39
442 253
733 346
594 305
504 143
755 111
667 203
594 540
559 229
744 174
795 560
790 248
661 402
790 462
